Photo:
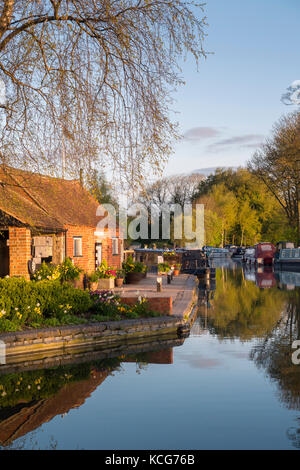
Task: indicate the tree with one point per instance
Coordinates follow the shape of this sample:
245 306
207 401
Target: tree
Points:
252 212
100 188
165 192
277 165
89 81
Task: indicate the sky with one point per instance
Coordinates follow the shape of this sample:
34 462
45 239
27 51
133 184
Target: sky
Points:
227 108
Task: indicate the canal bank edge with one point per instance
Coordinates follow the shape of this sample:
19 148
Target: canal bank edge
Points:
104 333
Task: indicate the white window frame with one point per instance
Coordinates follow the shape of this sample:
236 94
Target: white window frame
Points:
115 246
75 253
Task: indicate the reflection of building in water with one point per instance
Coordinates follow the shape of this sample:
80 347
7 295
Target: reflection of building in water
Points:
265 278
288 280
24 417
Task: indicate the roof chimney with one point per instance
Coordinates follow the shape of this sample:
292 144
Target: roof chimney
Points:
81 176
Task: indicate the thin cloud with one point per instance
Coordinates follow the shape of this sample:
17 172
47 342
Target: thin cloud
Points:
199 133
247 140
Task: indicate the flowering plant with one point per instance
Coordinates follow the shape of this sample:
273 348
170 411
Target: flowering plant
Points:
66 271
163 267
104 272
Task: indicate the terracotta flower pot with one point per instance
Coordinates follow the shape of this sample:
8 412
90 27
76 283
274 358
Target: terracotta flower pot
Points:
176 272
77 283
94 285
119 282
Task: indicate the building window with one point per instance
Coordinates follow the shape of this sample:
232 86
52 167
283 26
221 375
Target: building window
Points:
115 246
77 246
98 253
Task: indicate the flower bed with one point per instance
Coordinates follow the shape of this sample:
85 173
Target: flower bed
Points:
27 304
108 306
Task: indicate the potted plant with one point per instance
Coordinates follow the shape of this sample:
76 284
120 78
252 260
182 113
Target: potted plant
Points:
93 280
163 268
106 277
69 272
135 271
177 268
119 278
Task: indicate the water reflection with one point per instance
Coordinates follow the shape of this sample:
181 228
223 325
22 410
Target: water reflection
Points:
247 322
31 398
265 305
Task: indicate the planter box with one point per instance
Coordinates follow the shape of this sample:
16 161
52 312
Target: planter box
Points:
106 284
134 278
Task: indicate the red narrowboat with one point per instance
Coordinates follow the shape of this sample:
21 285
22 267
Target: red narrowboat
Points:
264 254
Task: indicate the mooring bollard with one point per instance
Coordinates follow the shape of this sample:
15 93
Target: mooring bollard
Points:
159 284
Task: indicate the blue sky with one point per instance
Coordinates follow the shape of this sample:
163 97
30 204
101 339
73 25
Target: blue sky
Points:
228 107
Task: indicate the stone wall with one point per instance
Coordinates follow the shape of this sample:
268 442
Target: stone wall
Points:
22 343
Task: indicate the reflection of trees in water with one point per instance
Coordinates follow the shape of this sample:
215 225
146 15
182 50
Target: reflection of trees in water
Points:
274 354
240 309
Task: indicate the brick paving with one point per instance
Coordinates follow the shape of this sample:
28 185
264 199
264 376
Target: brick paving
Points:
182 290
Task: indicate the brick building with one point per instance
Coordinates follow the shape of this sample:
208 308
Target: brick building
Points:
46 219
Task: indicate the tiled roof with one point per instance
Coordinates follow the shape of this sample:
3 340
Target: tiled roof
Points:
45 202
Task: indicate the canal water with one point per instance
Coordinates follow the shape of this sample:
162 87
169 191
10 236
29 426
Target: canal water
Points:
230 385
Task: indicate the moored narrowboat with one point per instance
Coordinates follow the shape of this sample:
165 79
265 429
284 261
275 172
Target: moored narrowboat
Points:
264 254
289 258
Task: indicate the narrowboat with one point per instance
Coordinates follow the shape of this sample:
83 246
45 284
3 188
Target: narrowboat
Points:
249 256
289 258
264 254
283 246
239 253
218 253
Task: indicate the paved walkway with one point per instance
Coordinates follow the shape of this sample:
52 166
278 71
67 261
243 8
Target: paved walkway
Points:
182 290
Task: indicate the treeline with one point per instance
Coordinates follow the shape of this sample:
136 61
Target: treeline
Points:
239 209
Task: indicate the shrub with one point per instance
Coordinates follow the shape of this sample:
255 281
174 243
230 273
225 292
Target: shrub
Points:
30 303
66 271
69 271
93 277
131 266
47 271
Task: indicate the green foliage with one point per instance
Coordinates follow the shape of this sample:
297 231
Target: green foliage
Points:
105 272
163 267
47 271
69 271
240 210
27 303
107 306
100 189
131 266
242 310
93 277
66 271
